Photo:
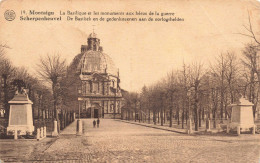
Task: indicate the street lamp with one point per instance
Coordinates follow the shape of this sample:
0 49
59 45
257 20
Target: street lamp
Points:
79 93
79 123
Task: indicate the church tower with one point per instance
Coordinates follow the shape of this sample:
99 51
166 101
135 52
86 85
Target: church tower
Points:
93 43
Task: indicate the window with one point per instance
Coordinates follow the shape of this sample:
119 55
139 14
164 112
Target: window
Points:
91 86
83 84
111 108
87 87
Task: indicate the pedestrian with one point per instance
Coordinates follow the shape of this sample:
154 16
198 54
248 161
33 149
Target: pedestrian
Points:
98 121
94 123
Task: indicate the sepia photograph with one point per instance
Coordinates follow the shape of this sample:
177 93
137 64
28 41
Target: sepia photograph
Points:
157 81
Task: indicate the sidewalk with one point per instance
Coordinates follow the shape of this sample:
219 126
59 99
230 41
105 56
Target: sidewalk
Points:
167 128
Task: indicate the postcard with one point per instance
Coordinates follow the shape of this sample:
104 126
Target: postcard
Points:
129 81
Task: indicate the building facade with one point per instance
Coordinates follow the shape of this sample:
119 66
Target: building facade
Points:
98 86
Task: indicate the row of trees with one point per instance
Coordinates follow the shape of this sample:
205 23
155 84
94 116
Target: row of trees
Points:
64 81
37 91
197 92
46 90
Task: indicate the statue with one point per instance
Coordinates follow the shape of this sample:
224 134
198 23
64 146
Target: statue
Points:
19 86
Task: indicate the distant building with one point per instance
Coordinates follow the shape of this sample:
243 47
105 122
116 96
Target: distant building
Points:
97 82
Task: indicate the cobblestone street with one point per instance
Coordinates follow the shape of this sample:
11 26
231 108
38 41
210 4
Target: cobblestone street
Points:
116 141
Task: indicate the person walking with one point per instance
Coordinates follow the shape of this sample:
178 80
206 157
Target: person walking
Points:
98 121
94 123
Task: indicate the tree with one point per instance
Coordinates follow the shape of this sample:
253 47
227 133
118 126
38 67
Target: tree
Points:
232 76
172 88
251 62
52 69
144 101
6 71
196 73
250 32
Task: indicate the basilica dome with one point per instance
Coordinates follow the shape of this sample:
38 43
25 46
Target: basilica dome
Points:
96 61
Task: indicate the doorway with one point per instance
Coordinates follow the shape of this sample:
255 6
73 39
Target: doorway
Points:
95 113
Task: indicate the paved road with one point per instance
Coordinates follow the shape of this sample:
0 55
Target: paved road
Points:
117 141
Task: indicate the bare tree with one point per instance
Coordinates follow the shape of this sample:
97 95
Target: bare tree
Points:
172 90
6 71
52 69
196 73
232 75
218 74
251 61
250 31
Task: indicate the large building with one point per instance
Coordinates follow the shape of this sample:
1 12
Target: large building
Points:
98 82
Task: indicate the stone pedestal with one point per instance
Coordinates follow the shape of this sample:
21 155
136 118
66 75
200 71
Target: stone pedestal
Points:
41 132
20 115
74 116
15 135
207 125
228 129
253 131
238 130
242 116
218 127
83 127
44 132
55 129
38 136
189 127
79 127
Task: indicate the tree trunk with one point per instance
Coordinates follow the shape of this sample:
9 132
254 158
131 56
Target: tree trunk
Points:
186 116
171 117
158 117
135 112
161 116
149 117
200 117
154 117
203 113
182 120
164 116
178 117
214 117
196 118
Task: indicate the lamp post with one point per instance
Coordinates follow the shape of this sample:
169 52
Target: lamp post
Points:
79 122
79 93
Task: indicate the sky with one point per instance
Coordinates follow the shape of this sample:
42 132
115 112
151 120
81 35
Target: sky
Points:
143 51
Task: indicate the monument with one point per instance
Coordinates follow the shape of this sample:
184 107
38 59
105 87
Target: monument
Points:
20 115
242 116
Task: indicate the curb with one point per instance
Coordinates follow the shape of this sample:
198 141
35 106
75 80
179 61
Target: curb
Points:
155 127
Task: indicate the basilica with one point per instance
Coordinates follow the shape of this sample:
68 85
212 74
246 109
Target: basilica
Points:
97 82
